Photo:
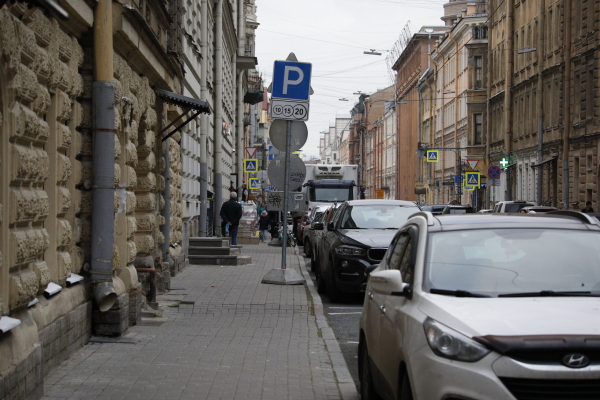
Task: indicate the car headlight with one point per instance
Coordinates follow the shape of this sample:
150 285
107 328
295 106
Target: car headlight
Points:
448 343
350 251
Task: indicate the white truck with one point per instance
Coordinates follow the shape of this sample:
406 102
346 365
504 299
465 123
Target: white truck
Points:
328 184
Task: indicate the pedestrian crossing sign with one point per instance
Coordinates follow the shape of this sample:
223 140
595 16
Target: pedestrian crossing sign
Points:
472 179
432 156
254 183
250 165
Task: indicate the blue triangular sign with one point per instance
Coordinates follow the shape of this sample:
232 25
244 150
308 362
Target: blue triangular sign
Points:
472 180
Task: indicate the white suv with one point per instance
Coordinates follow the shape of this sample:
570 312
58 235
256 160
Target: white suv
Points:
485 307
511 206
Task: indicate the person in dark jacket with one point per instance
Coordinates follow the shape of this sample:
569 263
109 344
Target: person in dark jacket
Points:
231 213
588 207
263 225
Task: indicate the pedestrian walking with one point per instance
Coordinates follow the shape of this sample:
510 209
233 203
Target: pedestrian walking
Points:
244 192
588 207
263 225
231 213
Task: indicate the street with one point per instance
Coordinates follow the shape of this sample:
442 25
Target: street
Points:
343 319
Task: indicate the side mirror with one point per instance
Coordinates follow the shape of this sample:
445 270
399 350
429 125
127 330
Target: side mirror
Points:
318 226
389 282
330 226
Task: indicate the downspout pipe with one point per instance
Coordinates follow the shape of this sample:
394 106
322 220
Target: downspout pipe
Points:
567 99
540 105
103 163
218 131
510 15
203 117
166 211
240 99
458 166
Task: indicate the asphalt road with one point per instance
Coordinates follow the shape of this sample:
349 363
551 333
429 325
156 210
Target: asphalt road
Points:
343 319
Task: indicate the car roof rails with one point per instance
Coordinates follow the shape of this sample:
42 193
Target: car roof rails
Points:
428 217
575 214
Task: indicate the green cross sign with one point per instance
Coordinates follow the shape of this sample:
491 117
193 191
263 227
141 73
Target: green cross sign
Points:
504 162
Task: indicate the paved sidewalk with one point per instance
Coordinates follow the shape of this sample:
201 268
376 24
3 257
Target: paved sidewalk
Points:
225 336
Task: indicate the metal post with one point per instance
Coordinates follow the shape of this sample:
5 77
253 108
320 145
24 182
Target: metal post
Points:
286 189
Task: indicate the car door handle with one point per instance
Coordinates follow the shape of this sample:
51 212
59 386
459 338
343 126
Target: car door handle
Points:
382 308
370 296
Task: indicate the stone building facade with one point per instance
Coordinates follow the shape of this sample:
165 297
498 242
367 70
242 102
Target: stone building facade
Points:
546 135
47 177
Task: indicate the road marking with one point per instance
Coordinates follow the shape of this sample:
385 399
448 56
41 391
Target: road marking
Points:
344 313
352 342
346 308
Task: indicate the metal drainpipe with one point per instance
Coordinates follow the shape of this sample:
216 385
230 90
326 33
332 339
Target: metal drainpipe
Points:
166 211
458 167
488 190
540 105
567 100
218 132
203 117
240 95
103 163
510 7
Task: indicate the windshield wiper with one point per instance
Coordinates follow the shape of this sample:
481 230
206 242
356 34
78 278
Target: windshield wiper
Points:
548 293
457 293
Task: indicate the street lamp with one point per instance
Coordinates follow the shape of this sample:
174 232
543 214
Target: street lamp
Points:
373 52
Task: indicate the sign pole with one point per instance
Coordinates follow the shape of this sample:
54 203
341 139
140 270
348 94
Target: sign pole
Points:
286 189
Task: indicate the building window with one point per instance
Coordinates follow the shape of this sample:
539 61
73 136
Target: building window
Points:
478 72
479 32
478 127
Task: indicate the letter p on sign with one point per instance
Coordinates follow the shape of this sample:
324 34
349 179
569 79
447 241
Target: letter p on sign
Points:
291 80
286 77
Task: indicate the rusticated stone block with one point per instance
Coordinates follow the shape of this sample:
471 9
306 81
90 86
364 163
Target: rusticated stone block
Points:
28 124
132 251
41 25
29 164
78 260
117 174
64 200
64 233
85 204
131 226
24 84
28 205
40 268
62 77
146 165
131 155
41 105
29 244
149 119
63 136
131 202
23 288
146 182
64 263
144 243
65 45
145 202
64 106
63 170
116 258
135 306
146 222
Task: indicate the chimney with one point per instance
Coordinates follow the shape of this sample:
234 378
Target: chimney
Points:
471 8
463 12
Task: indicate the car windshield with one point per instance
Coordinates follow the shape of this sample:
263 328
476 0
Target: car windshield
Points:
330 195
379 216
509 261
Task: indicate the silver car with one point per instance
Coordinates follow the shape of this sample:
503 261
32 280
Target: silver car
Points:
485 307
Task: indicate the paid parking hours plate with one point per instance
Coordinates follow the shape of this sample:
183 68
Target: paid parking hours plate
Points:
296 110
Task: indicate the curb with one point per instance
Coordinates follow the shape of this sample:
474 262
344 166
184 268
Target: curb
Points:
340 368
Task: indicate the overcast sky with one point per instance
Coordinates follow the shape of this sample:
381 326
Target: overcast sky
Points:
332 35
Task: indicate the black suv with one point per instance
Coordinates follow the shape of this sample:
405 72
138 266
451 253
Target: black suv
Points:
354 241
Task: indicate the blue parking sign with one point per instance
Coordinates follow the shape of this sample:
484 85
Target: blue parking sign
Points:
291 80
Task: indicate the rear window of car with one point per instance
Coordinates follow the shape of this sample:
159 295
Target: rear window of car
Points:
384 216
515 207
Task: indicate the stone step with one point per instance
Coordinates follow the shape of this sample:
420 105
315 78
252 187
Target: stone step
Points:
215 251
220 260
209 242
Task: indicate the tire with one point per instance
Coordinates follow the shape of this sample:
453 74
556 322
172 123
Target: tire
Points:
404 391
307 248
367 388
334 294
